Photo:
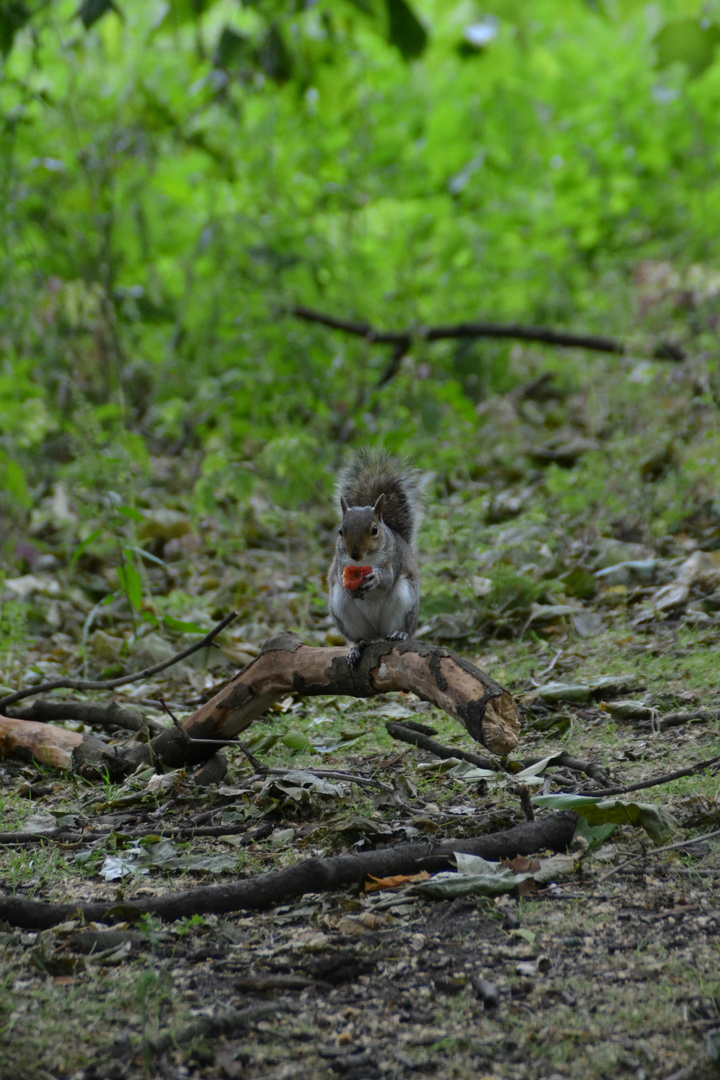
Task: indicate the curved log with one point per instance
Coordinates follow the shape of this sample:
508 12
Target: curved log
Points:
287 665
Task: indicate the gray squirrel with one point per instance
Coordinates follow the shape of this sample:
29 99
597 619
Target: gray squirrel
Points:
374 579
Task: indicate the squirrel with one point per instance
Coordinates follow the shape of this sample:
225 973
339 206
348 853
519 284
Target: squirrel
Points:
382 509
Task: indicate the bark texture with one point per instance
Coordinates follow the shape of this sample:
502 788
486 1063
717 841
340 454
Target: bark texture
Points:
286 664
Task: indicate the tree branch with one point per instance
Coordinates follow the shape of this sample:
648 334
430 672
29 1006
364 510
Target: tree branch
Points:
285 665
553 831
111 684
109 715
402 339
664 778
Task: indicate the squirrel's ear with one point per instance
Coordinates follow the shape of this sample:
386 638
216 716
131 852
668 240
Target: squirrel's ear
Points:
343 505
378 507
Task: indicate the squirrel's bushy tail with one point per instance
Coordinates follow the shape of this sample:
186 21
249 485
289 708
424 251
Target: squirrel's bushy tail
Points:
371 473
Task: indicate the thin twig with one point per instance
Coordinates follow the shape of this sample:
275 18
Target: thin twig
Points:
523 793
519 332
458 330
409 733
62 836
415 735
665 778
254 761
547 670
337 774
676 719
96 714
227 1022
567 761
219 743
110 684
658 851
168 711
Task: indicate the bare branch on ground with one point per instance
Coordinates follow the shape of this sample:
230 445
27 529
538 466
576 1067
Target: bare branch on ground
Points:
227 1022
552 831
664 778
96 714
657 851
123 680
287 665
677 719
419 735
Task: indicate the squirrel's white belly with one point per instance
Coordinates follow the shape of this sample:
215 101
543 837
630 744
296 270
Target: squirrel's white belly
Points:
376 615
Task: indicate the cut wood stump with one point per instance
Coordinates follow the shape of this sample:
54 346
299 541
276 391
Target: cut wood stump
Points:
287 665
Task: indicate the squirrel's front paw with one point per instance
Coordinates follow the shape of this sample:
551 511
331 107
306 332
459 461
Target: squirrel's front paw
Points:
369 583
353 657
399 635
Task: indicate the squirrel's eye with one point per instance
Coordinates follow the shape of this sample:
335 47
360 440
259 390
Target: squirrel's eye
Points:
340 531
374 530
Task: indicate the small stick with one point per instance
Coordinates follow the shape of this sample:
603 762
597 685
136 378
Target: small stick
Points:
219 743
403 338
415 735
657 851
228 1023
664 779
675 719
166 708
58 836
567 761
547 670
459 330
336 774
523 793
96 714
410 734
110 684
254 761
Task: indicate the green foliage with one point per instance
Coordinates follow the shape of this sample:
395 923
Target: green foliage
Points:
690 41
13 484
13 622
174 176
513 590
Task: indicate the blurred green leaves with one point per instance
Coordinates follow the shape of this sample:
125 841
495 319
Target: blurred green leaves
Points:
405 31
13 16
692 42
92 10
199 167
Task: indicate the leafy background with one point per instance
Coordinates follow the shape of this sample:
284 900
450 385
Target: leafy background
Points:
176 176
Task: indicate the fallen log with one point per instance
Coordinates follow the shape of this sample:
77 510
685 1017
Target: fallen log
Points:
108 715
287 665
46 743
552 831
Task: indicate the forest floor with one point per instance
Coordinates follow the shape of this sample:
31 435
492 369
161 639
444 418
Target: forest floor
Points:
613 971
